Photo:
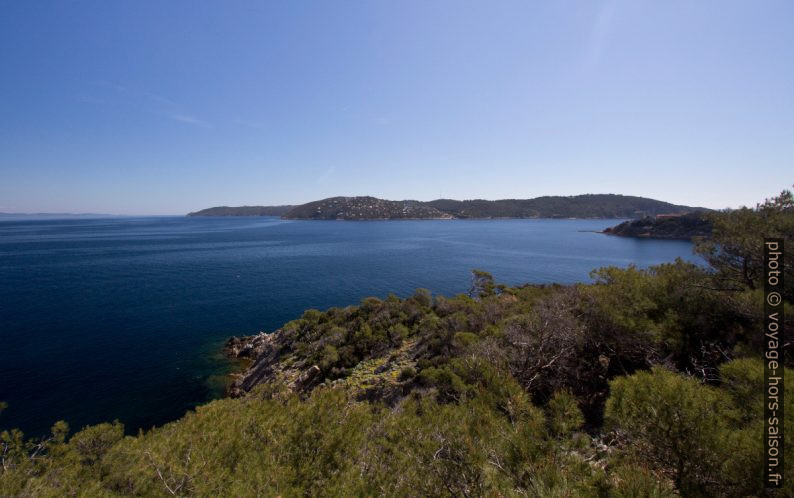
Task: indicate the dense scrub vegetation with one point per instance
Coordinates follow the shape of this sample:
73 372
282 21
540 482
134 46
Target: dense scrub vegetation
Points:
643 383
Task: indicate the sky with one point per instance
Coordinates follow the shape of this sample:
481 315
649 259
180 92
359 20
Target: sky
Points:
151 107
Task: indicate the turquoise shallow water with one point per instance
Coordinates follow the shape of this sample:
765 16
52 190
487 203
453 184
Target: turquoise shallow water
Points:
123 318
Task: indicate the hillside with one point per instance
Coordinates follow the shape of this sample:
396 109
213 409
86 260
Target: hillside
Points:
364 208
578 206
243 211
687 226
371 208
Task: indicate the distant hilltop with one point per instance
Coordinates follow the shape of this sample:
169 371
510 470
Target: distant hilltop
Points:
365 208
372 208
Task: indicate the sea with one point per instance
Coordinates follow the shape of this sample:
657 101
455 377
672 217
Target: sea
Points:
124 318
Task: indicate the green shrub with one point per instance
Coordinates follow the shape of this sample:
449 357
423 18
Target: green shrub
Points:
462 340
565 416
633 481
328 358
449 385
407 373
674 422
744 380
423 297
93 442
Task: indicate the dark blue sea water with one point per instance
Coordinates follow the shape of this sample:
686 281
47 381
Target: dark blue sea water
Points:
124 318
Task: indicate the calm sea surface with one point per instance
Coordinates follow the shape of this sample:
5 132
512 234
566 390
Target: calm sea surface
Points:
124 318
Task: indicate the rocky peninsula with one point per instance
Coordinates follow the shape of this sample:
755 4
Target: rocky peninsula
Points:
684 227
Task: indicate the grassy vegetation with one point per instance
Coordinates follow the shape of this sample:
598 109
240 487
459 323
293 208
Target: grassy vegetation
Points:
644 383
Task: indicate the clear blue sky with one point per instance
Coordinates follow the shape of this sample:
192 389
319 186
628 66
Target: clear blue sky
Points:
145 107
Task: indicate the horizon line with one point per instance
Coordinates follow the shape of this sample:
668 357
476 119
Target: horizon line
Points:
100 214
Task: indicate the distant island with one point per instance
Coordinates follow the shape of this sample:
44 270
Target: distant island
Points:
59 215
371 208
686 226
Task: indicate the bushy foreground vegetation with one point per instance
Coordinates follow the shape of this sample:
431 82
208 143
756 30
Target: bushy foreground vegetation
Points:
644 383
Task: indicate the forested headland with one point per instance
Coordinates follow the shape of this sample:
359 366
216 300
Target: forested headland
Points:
646 382
686 226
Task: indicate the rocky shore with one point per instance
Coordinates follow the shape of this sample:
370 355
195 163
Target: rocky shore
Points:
270 359
263 354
